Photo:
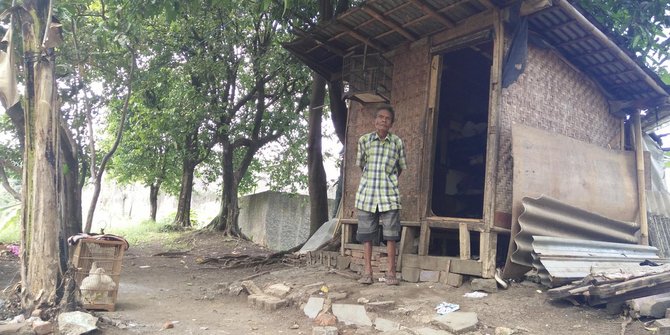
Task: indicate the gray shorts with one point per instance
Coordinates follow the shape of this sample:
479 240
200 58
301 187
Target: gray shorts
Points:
368 225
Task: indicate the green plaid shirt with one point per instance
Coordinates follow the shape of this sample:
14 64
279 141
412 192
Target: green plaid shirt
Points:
381 162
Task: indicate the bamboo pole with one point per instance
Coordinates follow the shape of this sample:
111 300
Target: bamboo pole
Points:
641 190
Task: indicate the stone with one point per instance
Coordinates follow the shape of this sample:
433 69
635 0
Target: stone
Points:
266 302
76 323
378 305
504 331
429 276
385 325
251 287
278 290
663 326
324 331
667 313
334 296
313 307
614 308
10 328
456 322
362 300
430 331
325 319
43 327
486 285
352 314
655 308
235 289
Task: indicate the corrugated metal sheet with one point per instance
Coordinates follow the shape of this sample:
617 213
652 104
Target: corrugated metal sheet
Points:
545 216
561 260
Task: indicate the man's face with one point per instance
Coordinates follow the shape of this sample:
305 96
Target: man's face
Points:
383 121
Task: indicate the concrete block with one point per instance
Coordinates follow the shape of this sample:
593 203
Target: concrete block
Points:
42 327
313 307
430 331
278 290
411 275
343 262
11 328
271 303
334 296
384 325
352 314
324 331
485 285
379 305
667 313
663 326
251 287
429 276
456 322
453 279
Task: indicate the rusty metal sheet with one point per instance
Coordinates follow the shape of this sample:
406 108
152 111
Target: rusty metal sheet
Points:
579 174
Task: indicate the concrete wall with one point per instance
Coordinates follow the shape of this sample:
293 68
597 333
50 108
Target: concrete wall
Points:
276 220
553 96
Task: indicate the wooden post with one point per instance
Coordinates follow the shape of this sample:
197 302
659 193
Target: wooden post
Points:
424 238
464 240
487 247
495 95
641 191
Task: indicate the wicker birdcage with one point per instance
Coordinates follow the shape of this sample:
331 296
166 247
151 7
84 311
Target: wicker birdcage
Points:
98 272
368 77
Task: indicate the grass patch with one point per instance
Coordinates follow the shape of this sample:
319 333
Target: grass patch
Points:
145 232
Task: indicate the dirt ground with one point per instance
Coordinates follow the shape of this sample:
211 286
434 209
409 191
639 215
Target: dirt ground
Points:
155 290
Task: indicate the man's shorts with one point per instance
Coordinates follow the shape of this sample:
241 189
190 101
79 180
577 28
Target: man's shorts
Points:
368 225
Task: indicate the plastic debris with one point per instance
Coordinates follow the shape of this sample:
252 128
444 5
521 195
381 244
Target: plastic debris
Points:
446 308
475 294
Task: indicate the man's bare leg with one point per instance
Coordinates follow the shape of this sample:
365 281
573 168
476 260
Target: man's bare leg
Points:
367 255
390 250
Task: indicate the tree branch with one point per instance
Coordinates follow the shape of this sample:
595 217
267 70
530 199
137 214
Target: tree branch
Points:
6 185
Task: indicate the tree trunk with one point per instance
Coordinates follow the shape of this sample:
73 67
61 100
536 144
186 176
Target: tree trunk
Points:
338 109
43 250
153 199
183 217
71 192
317 185
226 220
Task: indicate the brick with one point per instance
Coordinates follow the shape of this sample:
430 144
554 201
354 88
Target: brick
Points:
485 285
667 313
343 262
663 326
411 274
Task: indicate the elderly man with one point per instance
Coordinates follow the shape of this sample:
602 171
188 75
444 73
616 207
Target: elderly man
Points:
381 157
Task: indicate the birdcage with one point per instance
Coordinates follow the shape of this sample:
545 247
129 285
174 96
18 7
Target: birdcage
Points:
98 272
368 77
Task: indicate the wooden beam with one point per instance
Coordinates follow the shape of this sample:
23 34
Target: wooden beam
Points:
432 12
363 39
424 239
487 3
458 3
468 26
320 42
464 241
530 7
388 22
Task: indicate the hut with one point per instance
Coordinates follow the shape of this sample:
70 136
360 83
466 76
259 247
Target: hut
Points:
472 81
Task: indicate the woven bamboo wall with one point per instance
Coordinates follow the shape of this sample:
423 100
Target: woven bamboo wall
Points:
411 68
551 95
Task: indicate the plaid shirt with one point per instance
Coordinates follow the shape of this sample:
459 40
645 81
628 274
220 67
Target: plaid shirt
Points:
381 162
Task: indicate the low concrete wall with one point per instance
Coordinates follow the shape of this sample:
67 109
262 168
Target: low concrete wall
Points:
279 221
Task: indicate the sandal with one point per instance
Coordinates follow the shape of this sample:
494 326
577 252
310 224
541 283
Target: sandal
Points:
366 279
391 280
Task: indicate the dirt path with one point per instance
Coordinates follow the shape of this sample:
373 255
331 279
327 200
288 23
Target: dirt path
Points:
156 290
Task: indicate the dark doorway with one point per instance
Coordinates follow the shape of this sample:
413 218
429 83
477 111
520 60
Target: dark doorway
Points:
460 150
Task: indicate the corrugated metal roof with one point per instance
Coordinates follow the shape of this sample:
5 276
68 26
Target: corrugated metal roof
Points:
386 24
561 260
546 216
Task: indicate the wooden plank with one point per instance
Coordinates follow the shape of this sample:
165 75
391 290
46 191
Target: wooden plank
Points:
428 142
407 237
424 239
487 250
530 7
454 224
429 10
375 249
466 267
464 241
435 263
